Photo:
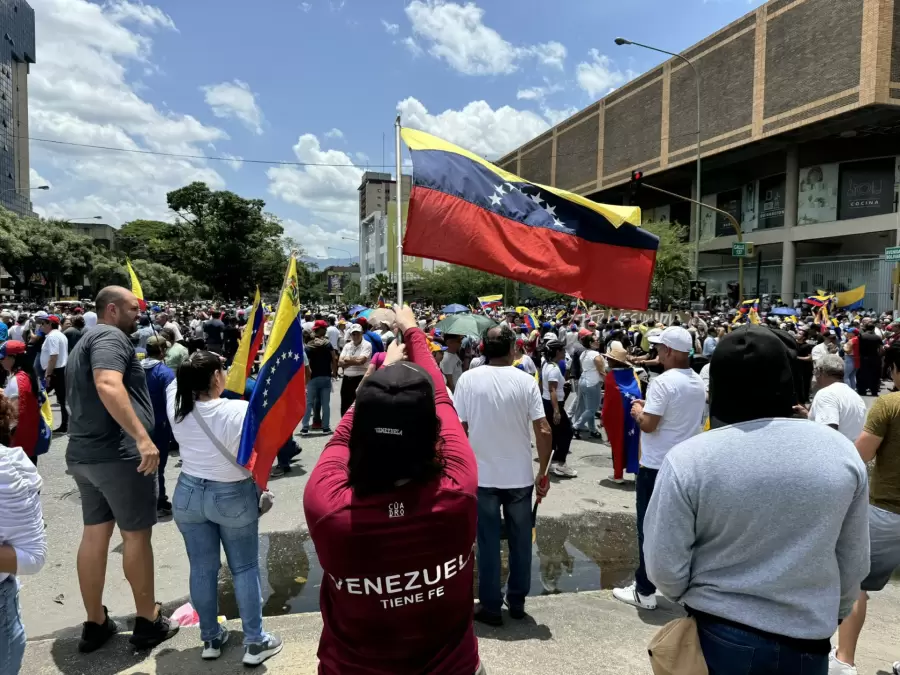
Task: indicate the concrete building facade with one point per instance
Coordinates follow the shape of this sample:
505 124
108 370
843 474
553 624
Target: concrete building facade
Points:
800 135
16 54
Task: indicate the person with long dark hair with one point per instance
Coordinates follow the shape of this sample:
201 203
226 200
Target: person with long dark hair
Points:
392 508
22 389
215 504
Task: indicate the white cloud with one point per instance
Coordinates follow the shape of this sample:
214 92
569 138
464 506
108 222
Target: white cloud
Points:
305 6
361 158
328 192
410 43
599 76
234 161
234 100
477 127
35 179
315 240
334 133
538 93
148 16
391 28
79 92
555 116
457 34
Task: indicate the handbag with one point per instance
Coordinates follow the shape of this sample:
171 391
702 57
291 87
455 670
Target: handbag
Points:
675 649
266 497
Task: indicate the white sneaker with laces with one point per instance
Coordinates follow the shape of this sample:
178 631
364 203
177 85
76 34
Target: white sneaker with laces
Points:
630 596
838 667
565 471
212 649
254 654
617 481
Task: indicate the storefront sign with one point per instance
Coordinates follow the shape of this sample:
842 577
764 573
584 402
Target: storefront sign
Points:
867 188
771 202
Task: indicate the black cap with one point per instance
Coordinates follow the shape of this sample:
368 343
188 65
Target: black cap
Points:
391 403
750 377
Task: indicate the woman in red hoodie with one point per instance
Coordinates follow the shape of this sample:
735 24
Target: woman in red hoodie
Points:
391 508
23 390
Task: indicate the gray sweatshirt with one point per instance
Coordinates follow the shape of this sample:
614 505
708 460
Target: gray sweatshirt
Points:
764 523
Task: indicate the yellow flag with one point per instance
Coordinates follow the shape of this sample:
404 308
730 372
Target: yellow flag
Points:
135 285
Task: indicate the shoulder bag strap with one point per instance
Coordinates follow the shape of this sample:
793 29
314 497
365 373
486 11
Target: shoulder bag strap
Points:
216 442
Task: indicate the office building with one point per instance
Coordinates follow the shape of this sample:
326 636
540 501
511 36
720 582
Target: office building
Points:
101 234
800 131
16 54
377 190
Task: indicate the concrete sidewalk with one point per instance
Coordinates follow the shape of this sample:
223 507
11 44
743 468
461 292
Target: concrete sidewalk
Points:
570 633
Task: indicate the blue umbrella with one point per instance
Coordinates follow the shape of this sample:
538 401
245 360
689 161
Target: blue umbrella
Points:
784 311
454 309
357 308
366 313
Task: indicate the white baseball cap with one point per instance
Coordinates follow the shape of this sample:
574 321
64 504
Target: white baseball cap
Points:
675 338
356 328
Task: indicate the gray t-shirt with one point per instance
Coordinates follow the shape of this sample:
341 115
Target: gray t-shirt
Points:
94 436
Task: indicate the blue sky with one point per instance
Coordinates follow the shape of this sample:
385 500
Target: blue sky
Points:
315 81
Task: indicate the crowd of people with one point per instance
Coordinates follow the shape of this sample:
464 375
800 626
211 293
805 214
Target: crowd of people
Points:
726 421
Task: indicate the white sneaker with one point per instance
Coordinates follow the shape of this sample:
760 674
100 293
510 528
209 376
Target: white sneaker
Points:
617 481
254 654
212 649
838 667
896 667
564 471
630 596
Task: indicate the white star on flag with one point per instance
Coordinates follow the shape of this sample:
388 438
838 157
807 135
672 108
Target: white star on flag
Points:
551 210
557 222
512 187
495 200
296 357
499 189
536 198
290 353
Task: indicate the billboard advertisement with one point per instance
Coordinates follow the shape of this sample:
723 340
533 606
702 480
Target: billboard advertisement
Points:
818 194
661 214
410 263
771 202
730 202
335 283
866 188
749 206
708 218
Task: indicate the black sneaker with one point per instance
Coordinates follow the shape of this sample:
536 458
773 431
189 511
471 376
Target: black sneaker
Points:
163 512
488 618
326 432
95 635
255 654
517 613
304 432
279 471
147 634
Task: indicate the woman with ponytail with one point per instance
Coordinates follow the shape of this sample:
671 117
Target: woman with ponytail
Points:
216 502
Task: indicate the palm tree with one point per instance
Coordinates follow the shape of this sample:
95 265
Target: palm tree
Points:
379 285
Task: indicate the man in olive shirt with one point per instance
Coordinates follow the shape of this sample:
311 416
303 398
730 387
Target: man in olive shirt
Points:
880 440
113 461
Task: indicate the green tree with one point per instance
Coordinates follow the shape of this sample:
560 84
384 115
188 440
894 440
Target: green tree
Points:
148 239
227 242
352 294
455 283
672 274
380 284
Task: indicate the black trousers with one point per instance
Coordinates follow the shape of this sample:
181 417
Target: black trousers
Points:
348 391
868 377
562 432
58 382
644 485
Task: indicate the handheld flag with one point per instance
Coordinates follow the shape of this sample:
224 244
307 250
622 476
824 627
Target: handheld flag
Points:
852 299
247 349
381 301
465 210
622 389
528 322
489 301
136 285
279 398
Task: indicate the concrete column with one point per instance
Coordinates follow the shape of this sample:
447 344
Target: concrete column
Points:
791 205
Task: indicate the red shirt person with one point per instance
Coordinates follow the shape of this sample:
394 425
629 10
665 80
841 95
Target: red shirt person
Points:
392 508
22 387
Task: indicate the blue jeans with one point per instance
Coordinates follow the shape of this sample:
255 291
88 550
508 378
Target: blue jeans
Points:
12 632
208 513
728 650
591 401
318 390
643 487
516 504
850 372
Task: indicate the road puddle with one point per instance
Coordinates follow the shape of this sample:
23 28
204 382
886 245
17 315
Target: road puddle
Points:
586 552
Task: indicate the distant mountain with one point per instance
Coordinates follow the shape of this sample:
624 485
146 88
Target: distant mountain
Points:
322 263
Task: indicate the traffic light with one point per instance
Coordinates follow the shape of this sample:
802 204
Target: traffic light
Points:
636 178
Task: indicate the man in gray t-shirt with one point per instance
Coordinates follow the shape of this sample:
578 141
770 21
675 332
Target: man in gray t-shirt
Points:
114 462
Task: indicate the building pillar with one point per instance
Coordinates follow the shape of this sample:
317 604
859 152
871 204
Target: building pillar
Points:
791 206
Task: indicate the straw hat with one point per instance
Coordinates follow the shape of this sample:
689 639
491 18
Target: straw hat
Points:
617 352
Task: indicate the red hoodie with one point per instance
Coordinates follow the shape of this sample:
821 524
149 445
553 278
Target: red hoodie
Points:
396 597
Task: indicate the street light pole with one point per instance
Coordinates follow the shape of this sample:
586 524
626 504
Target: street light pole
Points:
341 250
622 41
39 187
69 220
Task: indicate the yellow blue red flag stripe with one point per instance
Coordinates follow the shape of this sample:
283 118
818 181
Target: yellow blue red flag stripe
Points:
852 299
279 398
247 349
489 301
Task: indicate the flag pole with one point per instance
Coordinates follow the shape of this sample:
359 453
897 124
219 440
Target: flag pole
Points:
399 216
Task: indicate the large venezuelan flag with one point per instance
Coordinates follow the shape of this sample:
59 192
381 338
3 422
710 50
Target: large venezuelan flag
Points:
279 398
467 211
622 389
247 349
136 285
852 299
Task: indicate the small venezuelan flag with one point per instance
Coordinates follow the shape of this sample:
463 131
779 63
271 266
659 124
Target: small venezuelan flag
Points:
136 285
247 349
381 301
528 322
279 398
489 301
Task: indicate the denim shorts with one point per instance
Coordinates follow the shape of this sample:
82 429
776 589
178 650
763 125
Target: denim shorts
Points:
884 548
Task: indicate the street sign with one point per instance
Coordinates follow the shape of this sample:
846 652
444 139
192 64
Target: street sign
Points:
892 254
744 249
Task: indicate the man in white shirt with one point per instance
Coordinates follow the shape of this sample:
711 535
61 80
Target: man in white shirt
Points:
166 322
90 320
54 356
835 404
354 360
334 335
499 406
672 413
451 364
